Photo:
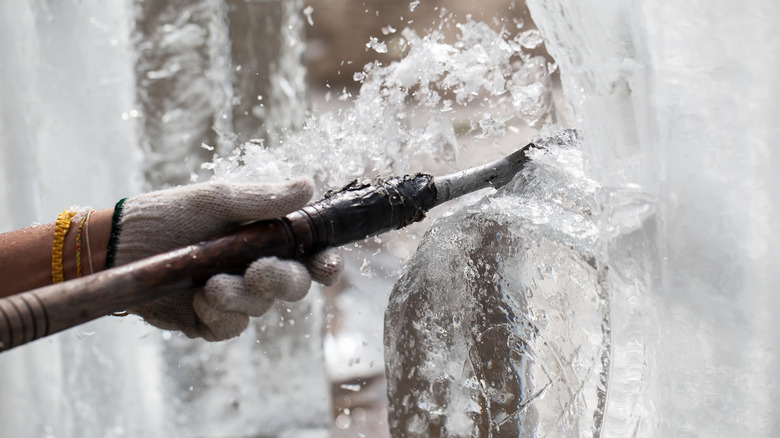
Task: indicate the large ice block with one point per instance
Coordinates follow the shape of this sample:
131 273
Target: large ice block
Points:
500 325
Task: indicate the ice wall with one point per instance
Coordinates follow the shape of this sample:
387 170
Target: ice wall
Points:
210 76
101 100
66 81
678 105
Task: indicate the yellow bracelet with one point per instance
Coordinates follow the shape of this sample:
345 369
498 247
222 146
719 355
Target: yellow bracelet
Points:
60 230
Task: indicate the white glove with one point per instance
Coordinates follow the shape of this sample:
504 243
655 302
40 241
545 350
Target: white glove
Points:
165 220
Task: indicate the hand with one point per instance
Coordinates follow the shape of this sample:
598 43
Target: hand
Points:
165 220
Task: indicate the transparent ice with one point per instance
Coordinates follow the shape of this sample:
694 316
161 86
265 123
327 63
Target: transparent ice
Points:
500 324
103 100
676 106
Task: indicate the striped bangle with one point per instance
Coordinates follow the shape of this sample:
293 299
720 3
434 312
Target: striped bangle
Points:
89 248
60 230
116 228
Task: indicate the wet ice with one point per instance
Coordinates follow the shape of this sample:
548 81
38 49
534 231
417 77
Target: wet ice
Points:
500 325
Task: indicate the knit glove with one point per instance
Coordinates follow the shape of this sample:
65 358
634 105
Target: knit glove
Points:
165 220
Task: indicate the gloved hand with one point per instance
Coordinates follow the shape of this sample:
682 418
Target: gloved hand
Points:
165 220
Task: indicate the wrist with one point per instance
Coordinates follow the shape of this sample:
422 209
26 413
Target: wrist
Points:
91 243
101 220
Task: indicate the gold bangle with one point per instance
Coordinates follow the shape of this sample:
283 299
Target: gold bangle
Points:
89 250
78 245
60 230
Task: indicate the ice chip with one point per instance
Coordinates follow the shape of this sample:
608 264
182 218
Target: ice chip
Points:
307 11
365 269
376 45
387 30
354 387
530 39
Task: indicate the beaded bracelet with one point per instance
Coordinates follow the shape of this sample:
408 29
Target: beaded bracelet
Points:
60 230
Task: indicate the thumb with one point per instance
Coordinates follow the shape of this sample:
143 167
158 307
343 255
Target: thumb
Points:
246 201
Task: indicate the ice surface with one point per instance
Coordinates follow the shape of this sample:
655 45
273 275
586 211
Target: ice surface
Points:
677 106
181 78
83 89
271 380
500 324
673 258
67 137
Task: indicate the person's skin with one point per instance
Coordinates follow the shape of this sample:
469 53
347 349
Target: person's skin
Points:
25 255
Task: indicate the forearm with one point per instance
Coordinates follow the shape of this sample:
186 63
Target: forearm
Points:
26 254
